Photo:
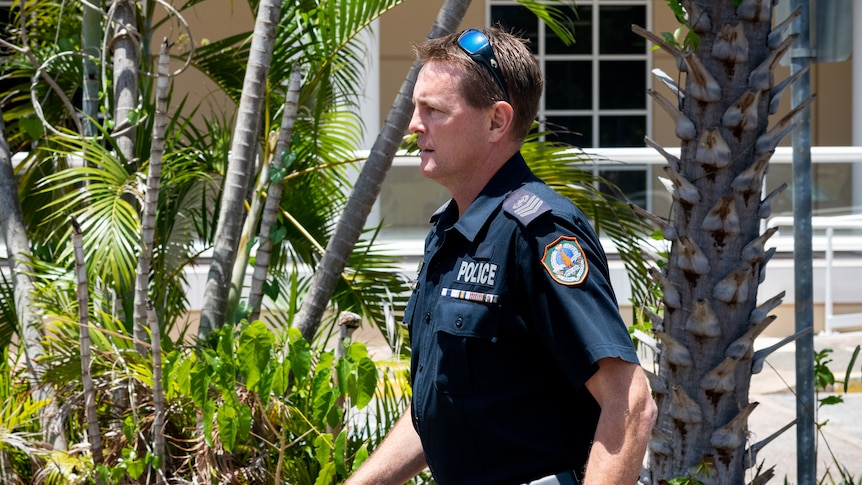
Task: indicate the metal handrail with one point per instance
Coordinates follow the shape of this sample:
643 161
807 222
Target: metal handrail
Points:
832 322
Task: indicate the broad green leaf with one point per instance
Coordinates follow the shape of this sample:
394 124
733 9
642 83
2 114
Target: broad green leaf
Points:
323 448
361 456
357 351
254 353
338 455
366 383
228 425
326 475
244 423
281 378
299 355
208 413
343 369
199 383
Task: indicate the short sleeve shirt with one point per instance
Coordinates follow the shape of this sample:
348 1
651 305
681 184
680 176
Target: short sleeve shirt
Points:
511 311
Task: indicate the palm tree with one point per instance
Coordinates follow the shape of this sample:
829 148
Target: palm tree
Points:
717 256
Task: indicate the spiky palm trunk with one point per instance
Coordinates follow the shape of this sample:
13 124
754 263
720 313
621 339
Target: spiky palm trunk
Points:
718 255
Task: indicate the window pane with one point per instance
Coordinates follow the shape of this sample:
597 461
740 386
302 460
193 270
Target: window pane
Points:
622 85
568 85
583 34
574 130
622 131
518 20
632 183
615 29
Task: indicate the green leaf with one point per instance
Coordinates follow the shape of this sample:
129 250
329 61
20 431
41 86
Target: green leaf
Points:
343 369
129 429
199 384
361 456
244 423
281 378
366 383
326 475
277 234
338 455
299 355
32 127
322 448
254 353
271 289
830 400
850 367
208 413
134 465
228 425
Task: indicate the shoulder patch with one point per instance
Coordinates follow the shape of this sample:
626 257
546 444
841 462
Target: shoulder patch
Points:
565 261
525 206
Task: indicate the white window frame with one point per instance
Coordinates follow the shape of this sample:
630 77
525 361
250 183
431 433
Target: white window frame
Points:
595 58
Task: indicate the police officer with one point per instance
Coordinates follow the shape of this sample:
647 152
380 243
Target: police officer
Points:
522 368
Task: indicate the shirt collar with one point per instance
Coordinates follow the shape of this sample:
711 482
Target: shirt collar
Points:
510 176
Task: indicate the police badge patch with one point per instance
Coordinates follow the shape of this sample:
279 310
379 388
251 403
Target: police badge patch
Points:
565 261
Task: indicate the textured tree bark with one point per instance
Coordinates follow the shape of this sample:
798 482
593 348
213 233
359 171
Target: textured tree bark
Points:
718 254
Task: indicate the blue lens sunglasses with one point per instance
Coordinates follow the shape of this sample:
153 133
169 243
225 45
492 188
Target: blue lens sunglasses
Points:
478 47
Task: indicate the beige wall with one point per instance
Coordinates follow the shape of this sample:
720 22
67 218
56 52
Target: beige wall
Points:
410 23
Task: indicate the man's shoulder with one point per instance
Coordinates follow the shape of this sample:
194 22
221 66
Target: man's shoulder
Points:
535 200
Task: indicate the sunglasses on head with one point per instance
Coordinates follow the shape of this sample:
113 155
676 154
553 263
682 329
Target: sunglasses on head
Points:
478 47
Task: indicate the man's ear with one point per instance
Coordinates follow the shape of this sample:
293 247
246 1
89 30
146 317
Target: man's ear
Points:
502 120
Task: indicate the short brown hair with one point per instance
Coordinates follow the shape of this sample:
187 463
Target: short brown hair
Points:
520 70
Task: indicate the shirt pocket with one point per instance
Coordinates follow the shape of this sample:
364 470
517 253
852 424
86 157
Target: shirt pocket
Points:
467 334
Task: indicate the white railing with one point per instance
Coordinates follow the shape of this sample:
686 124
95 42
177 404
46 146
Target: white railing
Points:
832 322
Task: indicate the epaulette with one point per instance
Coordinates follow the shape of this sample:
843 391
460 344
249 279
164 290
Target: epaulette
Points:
525 206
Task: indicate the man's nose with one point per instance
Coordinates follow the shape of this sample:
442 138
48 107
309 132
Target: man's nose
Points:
415 125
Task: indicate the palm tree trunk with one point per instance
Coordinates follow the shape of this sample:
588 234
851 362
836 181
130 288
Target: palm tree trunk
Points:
158 394
94 433
91 37
125 60
30 331
273 195
717 257
368 185
151 198
245 139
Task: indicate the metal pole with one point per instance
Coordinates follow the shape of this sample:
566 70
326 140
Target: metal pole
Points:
857 104
801 56
830 231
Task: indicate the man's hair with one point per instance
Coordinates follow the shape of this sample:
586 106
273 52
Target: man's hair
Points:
521 72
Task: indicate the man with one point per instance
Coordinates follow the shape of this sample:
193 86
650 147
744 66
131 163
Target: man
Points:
522 369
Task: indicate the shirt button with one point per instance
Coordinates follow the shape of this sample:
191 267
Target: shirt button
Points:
459 322
421 366
428 317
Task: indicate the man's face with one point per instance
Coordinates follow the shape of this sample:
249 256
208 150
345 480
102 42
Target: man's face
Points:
451 132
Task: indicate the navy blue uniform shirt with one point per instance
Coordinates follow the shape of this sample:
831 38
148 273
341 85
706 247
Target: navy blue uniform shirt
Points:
511 311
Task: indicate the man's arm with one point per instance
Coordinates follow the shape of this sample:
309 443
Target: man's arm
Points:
626 420
398 459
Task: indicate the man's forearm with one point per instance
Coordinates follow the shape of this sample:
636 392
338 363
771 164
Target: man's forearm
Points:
627 417
398 459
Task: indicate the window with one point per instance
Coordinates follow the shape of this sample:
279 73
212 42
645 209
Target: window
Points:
596 89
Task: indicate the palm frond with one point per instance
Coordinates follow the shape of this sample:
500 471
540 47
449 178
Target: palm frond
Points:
8 315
